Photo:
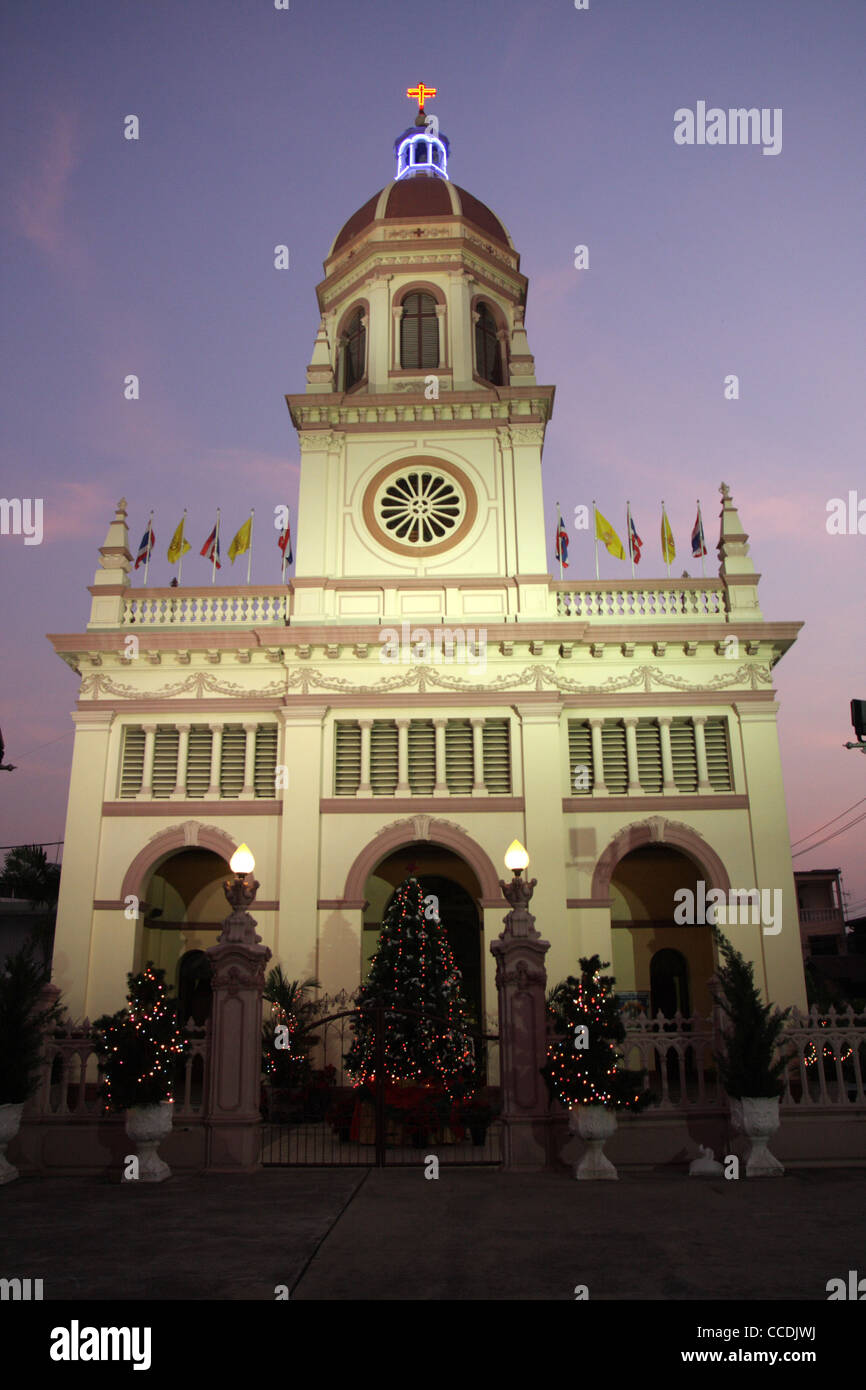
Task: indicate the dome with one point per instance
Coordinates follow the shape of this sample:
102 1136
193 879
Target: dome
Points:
419 198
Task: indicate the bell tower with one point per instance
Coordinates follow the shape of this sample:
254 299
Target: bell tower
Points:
422 425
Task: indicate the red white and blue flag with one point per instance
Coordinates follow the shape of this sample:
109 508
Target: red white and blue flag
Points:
212 544
562 544
284 541
699 545
145 549
634 540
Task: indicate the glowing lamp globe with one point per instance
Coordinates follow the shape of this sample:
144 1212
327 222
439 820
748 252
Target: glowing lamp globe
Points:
516 858
242 861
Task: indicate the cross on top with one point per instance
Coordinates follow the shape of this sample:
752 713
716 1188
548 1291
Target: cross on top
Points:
421 92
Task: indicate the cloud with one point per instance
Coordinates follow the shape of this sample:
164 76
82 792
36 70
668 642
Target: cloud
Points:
37 204
73 509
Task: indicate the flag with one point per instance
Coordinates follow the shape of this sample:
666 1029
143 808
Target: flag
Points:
241 543
669 550
699 545
562 543
207 550
284 541
179 545
605 532
634 540
145 550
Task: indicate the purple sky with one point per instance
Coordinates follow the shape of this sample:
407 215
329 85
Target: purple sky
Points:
261 127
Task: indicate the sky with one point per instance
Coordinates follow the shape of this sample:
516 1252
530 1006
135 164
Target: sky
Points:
262 126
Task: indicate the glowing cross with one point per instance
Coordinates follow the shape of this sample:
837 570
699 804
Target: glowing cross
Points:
421 92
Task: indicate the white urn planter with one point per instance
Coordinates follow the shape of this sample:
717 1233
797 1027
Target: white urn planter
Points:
595 1124
758 1118
147 1126
10 1123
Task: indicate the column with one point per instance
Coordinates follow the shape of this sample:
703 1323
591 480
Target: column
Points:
478 787
441 324
403 788
365 788
634 786
441 786
519 951
296 941
248 789
147 771
216 752
396 316
669 786
546 838
599 788
699 720
182 748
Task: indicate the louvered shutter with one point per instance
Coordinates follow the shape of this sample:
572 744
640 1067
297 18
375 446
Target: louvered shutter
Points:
579 756
233 757
422 757
614 757
132 761
419 332
165 745
718 753
384 750
459 764
198 758
683 753
264 775
347 757
649 755
497 757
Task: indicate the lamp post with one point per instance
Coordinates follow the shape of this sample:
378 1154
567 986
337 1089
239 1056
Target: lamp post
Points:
239 925
519 952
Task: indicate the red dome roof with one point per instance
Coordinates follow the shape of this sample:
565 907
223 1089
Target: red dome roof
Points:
423 198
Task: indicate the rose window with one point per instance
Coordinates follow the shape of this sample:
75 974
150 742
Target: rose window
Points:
420 507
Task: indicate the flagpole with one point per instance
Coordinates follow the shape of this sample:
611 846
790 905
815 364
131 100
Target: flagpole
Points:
149 547
250 551
595 534
628 533
703 542
665 546
182 539
558 542
213 565
283 568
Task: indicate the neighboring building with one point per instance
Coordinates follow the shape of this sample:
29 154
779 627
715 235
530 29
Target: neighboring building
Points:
820 909
624 730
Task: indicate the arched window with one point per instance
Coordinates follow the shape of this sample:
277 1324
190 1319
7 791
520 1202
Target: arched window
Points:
419 331
354 350
488 358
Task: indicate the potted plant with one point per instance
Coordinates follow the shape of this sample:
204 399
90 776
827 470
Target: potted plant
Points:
477 1114
24 1017
751 1072
286 1040
584 1070
139 1049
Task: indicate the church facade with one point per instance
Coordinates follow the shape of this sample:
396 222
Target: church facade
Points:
423 692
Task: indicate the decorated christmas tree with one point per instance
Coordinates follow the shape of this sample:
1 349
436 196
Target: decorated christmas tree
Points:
583 1065
140 1045
413 973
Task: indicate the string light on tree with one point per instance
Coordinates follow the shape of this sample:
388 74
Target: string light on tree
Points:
592 1074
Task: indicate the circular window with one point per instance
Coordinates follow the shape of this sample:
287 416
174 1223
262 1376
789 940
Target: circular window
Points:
423 506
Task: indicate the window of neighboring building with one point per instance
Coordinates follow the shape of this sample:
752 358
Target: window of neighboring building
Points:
419 331
354 351
824 945
488 358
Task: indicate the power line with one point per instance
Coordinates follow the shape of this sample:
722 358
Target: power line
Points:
841 831
40 746
829 822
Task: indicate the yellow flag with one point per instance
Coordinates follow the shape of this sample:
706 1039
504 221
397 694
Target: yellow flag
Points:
669 550
605 532
179 545
241 543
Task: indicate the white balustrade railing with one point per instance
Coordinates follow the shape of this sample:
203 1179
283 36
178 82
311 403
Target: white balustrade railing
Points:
250 607
620 601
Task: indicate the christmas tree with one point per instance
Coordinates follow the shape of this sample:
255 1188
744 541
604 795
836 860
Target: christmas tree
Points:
583 1065
140 1045
414 973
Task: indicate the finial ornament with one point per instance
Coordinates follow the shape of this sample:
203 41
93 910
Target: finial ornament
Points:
724 490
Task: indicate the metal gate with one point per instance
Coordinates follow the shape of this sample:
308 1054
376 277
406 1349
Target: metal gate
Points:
334 1123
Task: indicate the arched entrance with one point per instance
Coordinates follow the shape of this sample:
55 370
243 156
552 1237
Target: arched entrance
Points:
183 907
658 963
448 877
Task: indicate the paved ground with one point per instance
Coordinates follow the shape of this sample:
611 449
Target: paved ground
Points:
392 1234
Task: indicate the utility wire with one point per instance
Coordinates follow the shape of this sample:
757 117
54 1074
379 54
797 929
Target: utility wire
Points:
841 831
829 822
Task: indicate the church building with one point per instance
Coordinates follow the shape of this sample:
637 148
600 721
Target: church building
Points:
423 692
